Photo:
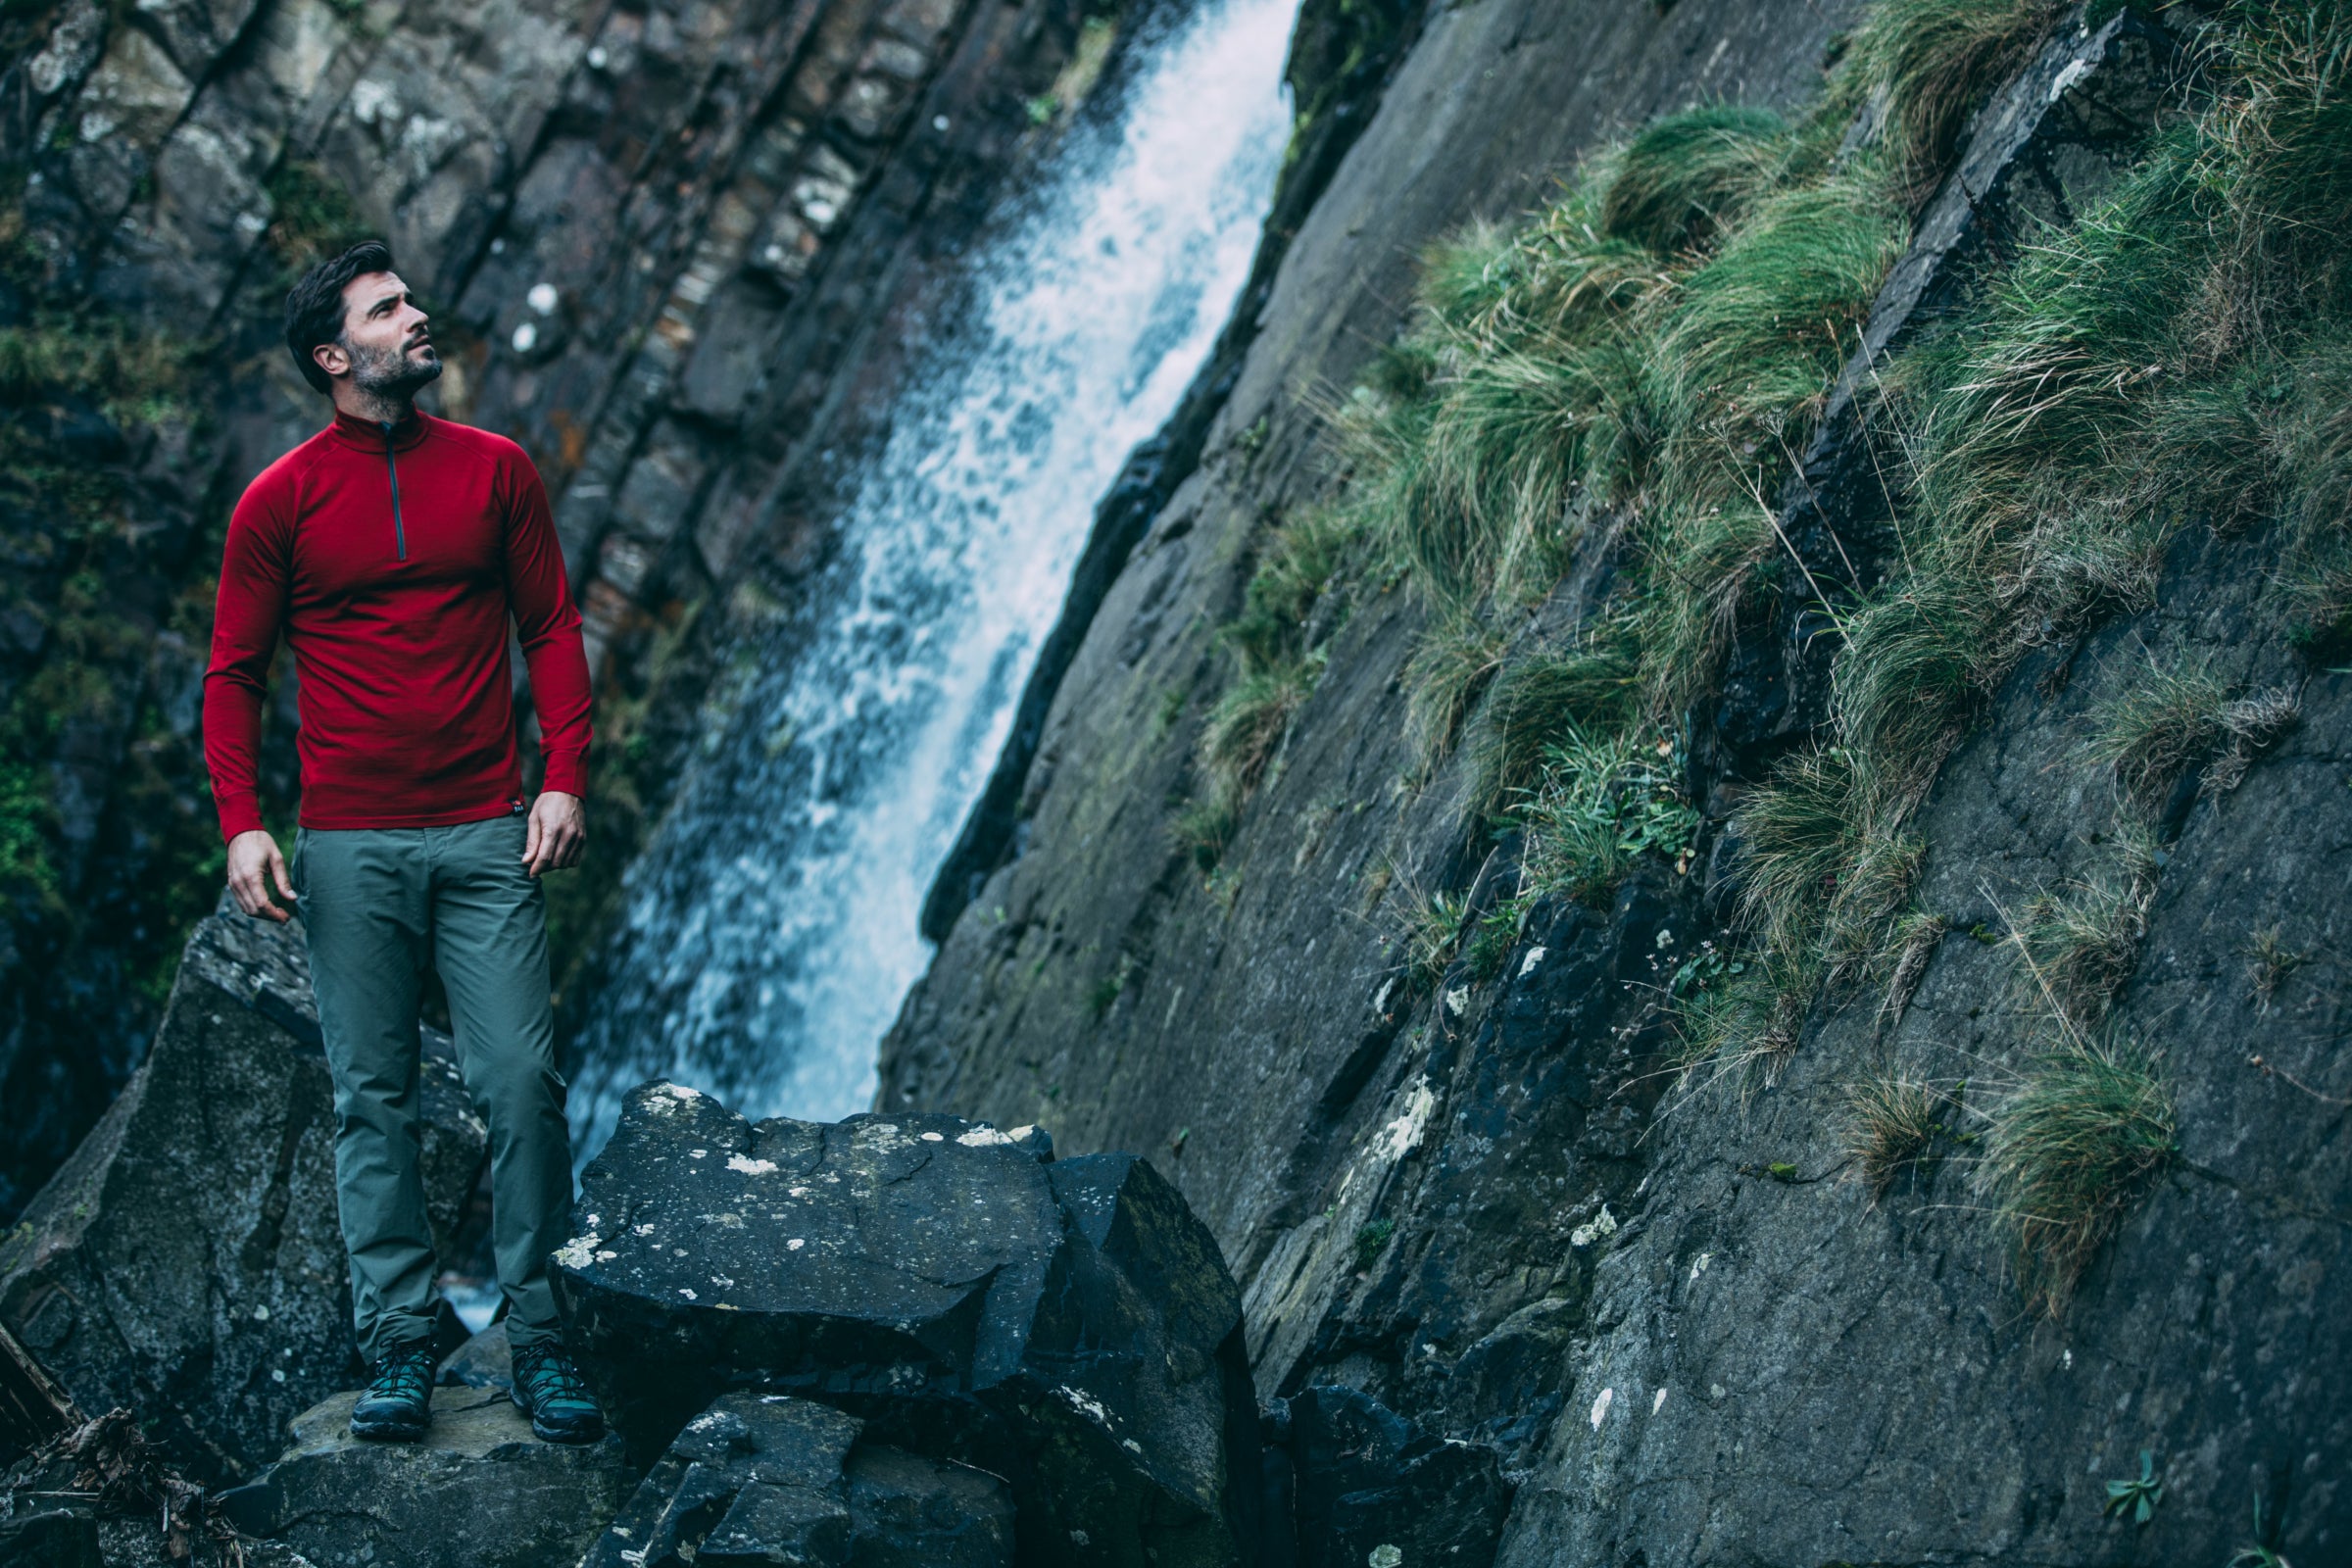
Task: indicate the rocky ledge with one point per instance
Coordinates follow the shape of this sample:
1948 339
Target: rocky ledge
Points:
889 1340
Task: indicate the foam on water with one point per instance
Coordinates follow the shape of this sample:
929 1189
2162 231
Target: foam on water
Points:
769 929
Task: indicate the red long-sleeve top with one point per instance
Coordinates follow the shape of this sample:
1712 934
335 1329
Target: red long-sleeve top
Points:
392 559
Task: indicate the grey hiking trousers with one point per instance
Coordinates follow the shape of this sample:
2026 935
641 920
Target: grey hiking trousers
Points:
377 906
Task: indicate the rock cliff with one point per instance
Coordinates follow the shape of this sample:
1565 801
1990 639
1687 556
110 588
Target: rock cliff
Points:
1733 1262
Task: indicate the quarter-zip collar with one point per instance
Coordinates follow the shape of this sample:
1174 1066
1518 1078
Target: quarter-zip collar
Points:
370 436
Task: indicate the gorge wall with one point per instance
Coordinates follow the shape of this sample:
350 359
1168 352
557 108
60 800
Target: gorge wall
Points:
1470 1144
1482 1170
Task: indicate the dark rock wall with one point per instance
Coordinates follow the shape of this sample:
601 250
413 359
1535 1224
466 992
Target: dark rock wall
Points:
1692 1330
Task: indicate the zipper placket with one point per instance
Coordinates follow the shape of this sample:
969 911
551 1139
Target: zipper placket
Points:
400 539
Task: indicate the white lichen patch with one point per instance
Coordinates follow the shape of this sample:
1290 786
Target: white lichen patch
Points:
1457 1000
796 1243
750 1166
981 1137
796 1192
687 1291
578 1253
646 1229
1603 1224
1659 1403
697 1154
1385 1556
606 1256
1527 965
1402 1135
1698 1265
1086 1405
1600 1407
934 1138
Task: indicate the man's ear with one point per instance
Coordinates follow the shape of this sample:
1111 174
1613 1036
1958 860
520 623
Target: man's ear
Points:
331 358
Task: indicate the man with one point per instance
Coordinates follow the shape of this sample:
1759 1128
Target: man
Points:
392 549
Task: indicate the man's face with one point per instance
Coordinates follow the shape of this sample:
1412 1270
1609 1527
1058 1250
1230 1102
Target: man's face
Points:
387 346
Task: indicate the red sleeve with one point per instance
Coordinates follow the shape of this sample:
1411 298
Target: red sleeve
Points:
548 627
247 613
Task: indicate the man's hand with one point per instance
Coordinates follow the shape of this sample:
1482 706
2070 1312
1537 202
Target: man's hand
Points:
559 833
254 868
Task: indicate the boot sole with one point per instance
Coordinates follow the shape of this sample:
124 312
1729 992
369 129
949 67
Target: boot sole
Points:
387 1431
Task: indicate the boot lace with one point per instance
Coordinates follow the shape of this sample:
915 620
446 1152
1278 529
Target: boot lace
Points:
402 1375
549 1376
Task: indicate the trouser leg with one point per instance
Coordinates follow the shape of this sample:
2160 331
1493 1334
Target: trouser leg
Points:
364 900
490 945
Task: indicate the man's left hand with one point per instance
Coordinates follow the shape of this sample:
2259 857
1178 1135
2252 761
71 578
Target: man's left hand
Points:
558 834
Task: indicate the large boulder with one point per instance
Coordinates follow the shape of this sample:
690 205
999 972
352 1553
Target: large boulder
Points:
759 1479
478 1491
1070 1327
186 1262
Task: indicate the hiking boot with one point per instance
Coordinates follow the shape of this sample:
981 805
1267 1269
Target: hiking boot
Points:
399 1400
551 1393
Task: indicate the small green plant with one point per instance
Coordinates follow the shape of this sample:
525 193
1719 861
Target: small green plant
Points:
1433 928
1600 806
1496 934
1371 1238
2138 1496
2270 960
2068 1151
1894 1120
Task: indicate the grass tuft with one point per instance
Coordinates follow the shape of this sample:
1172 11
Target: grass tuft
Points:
2081 944
2157 727
1894 1120
2067 1153
1691 176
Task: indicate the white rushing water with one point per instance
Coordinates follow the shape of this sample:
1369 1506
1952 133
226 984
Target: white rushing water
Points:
769 933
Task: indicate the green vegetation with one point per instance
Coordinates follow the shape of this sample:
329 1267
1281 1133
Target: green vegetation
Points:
2270 960
2137 1496
2157 726
2068 1151
1371 1239
1894 1121
1624 379
2078 945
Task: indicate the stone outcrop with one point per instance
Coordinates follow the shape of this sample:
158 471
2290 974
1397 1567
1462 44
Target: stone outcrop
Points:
187 1263
1689 1333
477 1492
767 1478
1067 1326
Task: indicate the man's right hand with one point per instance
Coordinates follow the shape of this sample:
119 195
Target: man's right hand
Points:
254 868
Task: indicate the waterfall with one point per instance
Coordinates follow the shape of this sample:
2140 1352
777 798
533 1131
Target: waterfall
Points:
769 928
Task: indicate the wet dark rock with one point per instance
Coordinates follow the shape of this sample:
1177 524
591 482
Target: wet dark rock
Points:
187 1263
478 1491
56 1538
1370 1486
907 1512
1069 1327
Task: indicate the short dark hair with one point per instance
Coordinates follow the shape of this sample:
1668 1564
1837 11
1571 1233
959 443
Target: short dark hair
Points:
315 306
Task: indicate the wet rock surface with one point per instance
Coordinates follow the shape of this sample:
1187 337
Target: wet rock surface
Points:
478 1491
187 1263
771 1478
1367 1482
1068 1327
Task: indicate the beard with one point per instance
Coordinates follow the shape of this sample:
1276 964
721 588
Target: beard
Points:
394 374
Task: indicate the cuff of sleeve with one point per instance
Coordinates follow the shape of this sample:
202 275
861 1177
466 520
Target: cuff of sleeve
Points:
566 773
240 813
